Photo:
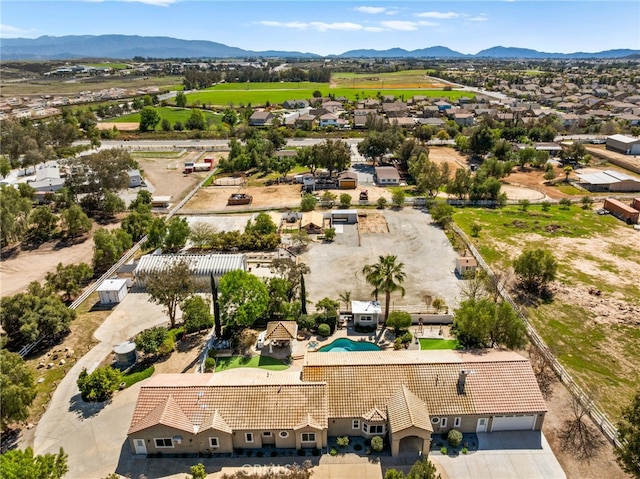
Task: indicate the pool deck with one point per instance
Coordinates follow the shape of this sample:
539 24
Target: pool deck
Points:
382 338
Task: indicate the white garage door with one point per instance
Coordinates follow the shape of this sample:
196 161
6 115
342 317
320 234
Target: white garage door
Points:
513 423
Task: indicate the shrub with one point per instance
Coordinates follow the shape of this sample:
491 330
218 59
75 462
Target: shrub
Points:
381 203
397 344
345 200
333 451
546 206
308 202
377 443
443 450
100 384
464 450
454 437
565 203
343 441
209 364
324 330
167 346
406 337
150 340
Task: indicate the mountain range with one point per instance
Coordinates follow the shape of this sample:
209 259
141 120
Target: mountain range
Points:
129 46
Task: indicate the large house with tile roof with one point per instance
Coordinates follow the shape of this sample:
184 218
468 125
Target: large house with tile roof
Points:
405 396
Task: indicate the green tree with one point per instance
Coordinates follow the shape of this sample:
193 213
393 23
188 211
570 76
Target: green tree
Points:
198 471
69 279
628 455
229 117
156 233
243 298
329 234
262 225
150 340
100 384
308 202
149 119
5 167
137 224
386 276
43 223
177 234
399 321
170 286
165 125
442 213
196 314
112 204
18 388
398 197
482 323
423 469
202 235
108 247
481 140
14 214
535 268
23 464
142 202
345 200
181 99
196 120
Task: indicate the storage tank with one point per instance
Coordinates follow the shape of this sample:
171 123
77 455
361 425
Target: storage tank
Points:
126 354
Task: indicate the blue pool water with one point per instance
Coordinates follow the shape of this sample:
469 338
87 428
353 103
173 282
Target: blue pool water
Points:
343 345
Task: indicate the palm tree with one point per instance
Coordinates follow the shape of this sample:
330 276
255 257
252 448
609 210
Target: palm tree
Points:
345 297
386 276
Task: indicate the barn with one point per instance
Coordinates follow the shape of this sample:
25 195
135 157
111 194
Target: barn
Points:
202 266
627 145
608 180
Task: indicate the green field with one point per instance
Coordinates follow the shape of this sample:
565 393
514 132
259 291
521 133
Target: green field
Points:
262 362
601 354
171 114
431 344
352 88
397 80
115 66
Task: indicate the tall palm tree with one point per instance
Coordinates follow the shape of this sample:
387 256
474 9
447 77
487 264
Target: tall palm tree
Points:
386 276
345 296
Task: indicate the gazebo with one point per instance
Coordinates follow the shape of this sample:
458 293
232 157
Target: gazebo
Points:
280 333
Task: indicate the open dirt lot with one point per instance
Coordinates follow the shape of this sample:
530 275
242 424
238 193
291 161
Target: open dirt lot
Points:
427 255
440 154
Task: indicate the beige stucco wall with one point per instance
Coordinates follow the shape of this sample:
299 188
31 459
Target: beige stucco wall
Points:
412 431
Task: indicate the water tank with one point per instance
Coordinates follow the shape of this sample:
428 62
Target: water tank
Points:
126 354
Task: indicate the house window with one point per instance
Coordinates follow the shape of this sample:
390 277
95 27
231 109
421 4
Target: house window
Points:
164 442
456 422
284 434
266 433
355 424
443 422
308 437
376 429
248 437
214 442
435 420
365 428
366 318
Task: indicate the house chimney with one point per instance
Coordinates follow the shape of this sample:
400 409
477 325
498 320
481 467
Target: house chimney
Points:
462 379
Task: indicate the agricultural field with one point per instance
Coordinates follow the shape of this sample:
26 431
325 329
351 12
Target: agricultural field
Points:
113 66
171 114
411 79
592 322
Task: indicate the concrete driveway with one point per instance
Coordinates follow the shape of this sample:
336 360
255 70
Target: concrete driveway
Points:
504 455
93 434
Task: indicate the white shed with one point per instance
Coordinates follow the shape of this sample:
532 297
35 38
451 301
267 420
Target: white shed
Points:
349 217
465 264
112 291
135 179
366 313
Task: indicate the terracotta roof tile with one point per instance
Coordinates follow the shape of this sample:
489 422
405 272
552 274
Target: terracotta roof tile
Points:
374 414
281 330
405 410
168 413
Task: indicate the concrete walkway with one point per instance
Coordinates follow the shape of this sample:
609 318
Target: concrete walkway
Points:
93 434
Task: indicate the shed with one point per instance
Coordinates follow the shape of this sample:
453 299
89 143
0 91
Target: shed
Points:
366 313
387 175
465 264
160 201
280 333
312 222
135 179
202 266
349 217
627 145
112 291
126 354
347 180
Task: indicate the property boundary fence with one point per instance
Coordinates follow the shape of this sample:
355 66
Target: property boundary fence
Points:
598 417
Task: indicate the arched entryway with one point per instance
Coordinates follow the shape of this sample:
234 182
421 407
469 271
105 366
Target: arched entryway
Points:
410 445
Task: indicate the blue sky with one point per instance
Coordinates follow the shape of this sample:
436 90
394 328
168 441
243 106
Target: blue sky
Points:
335 26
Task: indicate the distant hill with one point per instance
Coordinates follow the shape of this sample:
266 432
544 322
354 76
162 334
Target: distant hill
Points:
129 46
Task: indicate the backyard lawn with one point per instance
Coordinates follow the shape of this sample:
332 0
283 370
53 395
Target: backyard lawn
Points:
430 343
262 362
171 114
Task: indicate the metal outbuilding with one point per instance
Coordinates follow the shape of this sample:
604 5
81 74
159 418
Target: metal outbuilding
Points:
112 291
202 266
627 145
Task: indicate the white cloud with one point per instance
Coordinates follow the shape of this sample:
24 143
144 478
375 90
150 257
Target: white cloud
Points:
400 25
319 26
370 10
425 23
439 15
9 31
483 17
374 29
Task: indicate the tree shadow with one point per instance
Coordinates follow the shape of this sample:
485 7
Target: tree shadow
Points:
86 410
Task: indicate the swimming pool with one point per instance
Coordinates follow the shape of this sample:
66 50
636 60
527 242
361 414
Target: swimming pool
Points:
343 345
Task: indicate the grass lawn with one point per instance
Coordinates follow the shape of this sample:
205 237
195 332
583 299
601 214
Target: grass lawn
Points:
263 362
276 93
137 374
601 353
115 66
171 114
428 343
569 189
